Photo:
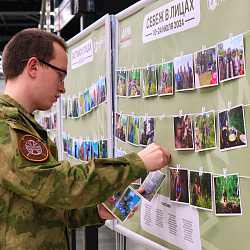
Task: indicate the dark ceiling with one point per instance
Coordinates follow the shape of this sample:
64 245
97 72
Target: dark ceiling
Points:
16 15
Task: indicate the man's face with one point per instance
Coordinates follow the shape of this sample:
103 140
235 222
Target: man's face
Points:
49 85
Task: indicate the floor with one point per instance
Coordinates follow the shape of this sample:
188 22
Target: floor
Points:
106 240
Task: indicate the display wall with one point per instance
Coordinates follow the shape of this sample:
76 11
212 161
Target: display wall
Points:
152 33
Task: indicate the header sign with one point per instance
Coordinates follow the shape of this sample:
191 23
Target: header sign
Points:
174 17
82 54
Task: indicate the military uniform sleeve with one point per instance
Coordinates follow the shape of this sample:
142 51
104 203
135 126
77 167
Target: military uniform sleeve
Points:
58 184
84 217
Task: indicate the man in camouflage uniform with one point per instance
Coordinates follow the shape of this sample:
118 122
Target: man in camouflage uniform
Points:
40 197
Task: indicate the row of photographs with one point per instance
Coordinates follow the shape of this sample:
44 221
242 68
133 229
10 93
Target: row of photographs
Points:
85 150
222 62
76 106
232 132
195 188
49 121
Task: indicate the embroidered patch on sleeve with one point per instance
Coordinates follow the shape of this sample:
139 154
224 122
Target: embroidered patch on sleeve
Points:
32 148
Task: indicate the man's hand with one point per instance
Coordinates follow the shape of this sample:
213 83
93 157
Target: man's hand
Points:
106 215
154 157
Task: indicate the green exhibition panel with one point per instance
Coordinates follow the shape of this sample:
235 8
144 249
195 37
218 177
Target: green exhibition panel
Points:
151 33
86 115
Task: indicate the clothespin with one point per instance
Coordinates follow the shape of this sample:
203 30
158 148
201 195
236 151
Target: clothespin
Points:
181 54
102 138
229 105
203 48
203 110
124 69
100 77
132 67
162 116
200 171
147 66
162 61
87 138
178 166
133 114
230 37
225 172
180 113
120 69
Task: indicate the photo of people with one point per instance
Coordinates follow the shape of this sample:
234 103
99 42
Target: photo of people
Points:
123 203
93 95
183 132
134 83
133 130
64 109
65 143
86 99
119 153
204 131
205 65
232 128
152 184
121 83
87 151
149 81
227 195
75 149
184 77
147 130
75 112
120 127
101 91
69 107
231 58
179 185
165 79
200 190
81 145
95 149
103 148
81 105
70 146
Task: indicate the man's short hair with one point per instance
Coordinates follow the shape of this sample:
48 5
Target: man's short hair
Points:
28 43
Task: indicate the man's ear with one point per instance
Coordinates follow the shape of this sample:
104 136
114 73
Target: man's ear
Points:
33 66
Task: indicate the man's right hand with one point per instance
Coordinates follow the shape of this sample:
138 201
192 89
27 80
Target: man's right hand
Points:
154 157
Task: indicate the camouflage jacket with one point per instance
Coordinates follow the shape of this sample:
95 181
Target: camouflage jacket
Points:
42 198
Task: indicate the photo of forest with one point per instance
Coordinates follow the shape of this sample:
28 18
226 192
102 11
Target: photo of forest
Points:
227 195
200 189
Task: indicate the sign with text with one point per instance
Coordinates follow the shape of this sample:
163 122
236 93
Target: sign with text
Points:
174 17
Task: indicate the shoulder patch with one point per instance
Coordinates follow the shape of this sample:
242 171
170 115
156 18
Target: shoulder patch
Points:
32 148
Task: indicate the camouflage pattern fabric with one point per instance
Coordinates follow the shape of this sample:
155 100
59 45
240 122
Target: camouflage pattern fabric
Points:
41 201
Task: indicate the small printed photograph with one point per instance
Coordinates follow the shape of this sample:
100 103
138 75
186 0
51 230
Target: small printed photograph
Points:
81 148
121 83
81 105
65 143
147 130
204 131
205 65
183 133
134 83
123 203
120 127
149 81
70 146
232 128
165 79
69 107
119 153
200 186
95 149
227 195
179 185
103 148
64 110
55 120
86 99
87 151
101 91
133 130
184 77
75 149
231 58
93 96
75 107
152 184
